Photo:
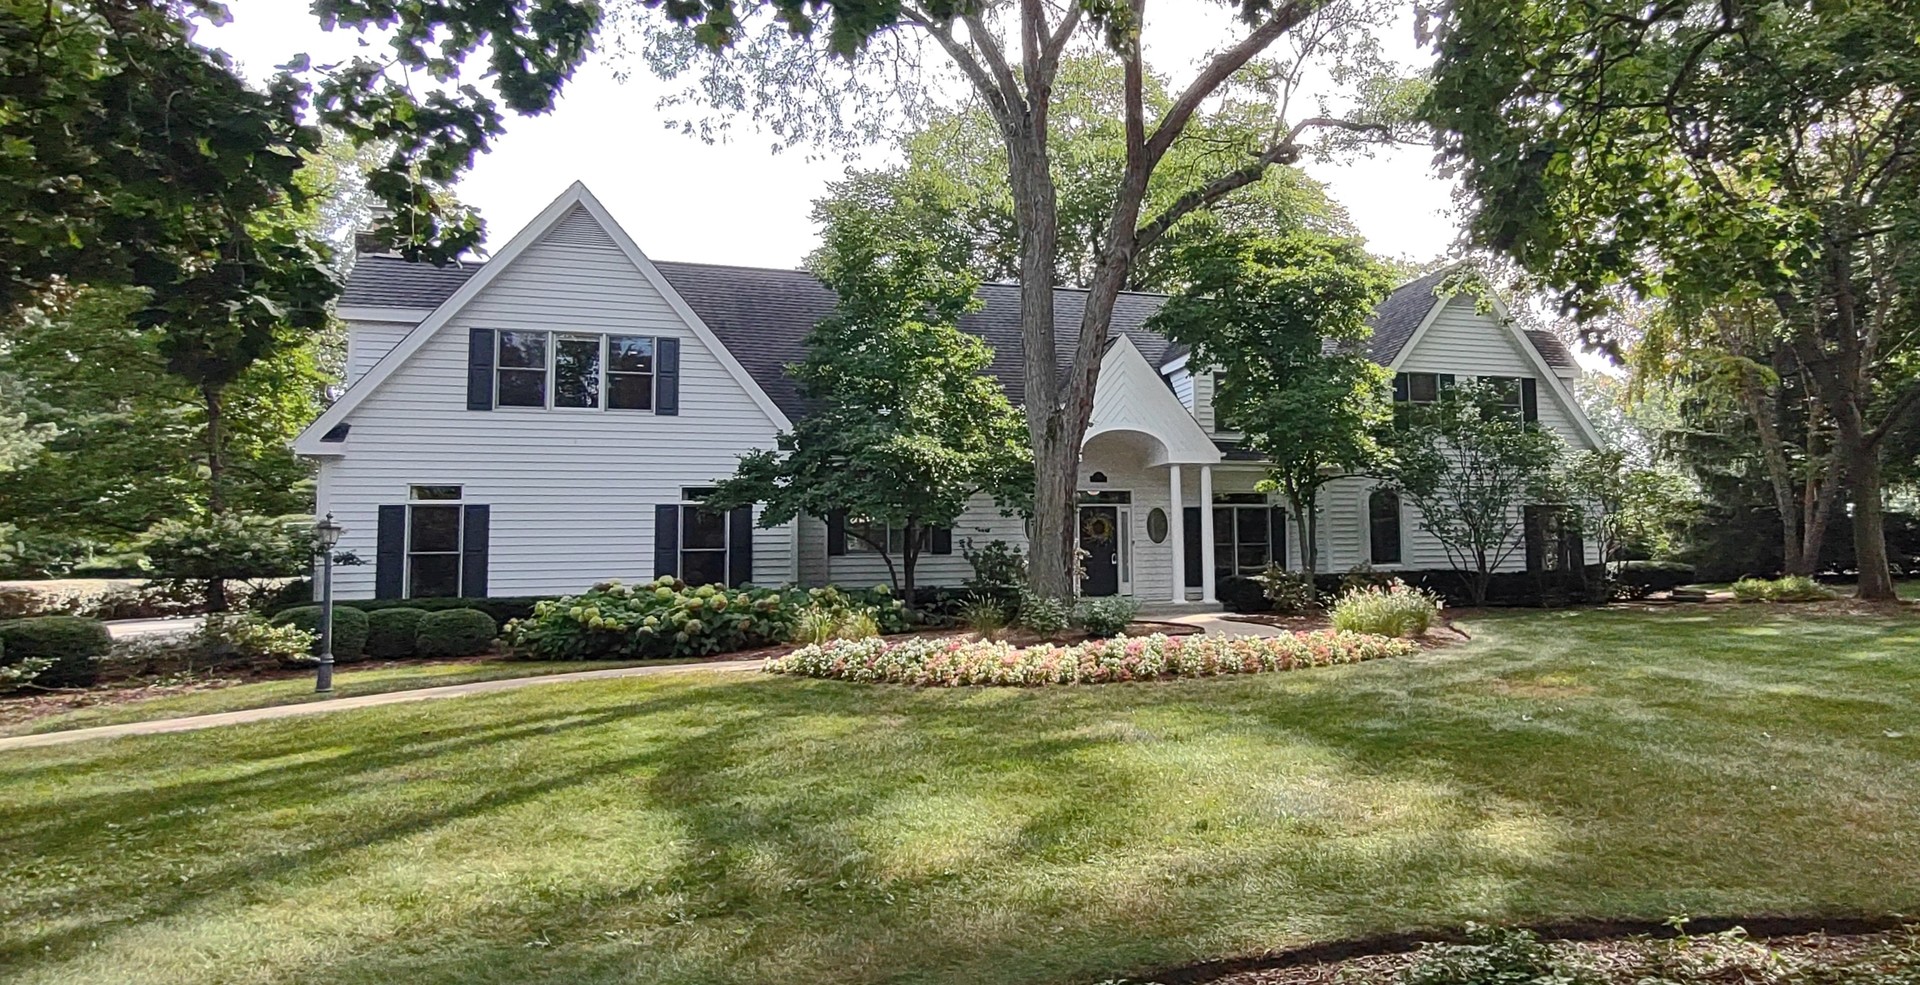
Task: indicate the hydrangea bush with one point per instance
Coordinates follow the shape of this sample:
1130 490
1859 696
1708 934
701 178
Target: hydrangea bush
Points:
667 618
958 661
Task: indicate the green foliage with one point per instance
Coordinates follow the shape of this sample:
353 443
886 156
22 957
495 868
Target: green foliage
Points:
1394 610
1638 579
1493 956
665 618
392 634
1287 318
503 608
1469 468
52 651
983 616
1042 615
907 426
233 640
454 633
235 546
1109 616
1238 593
1792 588
1290 592
999 574
828 614
349 629
959 663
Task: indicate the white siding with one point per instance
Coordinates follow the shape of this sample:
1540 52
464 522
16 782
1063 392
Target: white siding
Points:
1464 342
1182 383
980 524
572 492
367 341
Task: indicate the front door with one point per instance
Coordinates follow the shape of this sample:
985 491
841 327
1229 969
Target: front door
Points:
1100 538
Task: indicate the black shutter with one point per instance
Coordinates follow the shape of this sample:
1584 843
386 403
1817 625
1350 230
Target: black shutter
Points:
473 553
666 381
390 554
943 540
739 546
1190 523
666 540
480 369
1277 535
1529 399
836 533
1444 385
1401 393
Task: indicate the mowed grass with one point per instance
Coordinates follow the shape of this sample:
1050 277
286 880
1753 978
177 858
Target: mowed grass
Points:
348 682
718 829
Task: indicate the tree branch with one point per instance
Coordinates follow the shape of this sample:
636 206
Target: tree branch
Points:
1221 68
997 101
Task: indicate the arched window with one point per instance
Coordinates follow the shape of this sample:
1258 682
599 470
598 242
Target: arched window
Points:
1383 521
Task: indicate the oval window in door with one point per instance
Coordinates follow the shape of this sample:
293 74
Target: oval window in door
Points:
1157 525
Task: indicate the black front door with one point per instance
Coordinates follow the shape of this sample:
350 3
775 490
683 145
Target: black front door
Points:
1100 538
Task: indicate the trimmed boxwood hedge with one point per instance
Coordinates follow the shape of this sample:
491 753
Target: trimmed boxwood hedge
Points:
391 633
502 608
73 644
455 633
349 629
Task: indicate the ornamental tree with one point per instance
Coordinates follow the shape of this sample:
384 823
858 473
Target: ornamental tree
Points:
1700 154
842 72
904 426
1288 317
1470 468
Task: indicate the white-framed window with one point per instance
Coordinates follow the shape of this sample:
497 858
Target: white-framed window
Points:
434 519
1508 399
1417 388
574 370
864 534
703 540
1242 534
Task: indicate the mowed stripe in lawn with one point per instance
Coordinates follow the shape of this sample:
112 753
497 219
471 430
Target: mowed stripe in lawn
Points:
1720 760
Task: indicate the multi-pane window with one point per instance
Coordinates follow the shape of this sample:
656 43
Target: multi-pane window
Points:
1242 534
433 541
703 541
1507 396
523 369
1416 388
1383 524
629 372
864 537
588 372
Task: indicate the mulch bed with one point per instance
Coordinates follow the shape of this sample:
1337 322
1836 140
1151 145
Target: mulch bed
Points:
1761 951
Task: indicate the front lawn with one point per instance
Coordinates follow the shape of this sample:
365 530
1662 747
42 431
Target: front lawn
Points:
1700 760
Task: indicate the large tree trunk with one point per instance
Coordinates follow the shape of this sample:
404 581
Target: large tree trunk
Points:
1869 525
1056 445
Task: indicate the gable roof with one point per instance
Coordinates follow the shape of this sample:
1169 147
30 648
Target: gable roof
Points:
762 316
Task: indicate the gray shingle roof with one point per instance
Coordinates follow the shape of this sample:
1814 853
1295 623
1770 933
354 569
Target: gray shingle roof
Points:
763 315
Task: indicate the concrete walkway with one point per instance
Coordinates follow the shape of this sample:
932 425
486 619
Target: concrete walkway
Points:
1218 624
360 701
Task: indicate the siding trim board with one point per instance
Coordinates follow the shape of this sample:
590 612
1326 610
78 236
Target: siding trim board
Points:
575 197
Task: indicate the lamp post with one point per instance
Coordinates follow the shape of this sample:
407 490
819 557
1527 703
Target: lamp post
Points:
326 533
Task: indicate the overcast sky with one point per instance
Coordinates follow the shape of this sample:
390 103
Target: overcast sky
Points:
682 199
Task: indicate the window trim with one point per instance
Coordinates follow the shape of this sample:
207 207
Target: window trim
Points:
550 373
459 506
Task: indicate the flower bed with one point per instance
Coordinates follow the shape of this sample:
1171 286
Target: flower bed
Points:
959 661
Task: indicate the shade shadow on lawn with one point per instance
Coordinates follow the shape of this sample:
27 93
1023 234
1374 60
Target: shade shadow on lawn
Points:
763 829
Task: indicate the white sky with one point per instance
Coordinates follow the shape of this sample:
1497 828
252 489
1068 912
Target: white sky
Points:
682 199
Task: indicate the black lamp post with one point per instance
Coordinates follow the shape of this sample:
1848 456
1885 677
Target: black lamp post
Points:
326 533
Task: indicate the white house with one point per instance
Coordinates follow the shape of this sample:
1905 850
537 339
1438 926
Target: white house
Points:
543 421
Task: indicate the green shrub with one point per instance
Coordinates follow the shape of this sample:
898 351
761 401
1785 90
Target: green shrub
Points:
819 622
999 574
662 618
1792 588
52 651
392 633
1639 579
984 616
1239 594
1291 592
1107 616
1492 956
946 662
349 629
223 641
503 608
1396 610
455 633
1044 617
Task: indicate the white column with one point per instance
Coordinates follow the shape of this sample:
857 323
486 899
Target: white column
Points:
1177 535
1206 534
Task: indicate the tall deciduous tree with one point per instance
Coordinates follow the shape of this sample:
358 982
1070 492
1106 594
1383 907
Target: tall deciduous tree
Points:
1289 316
1703 153
905 427
786 63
